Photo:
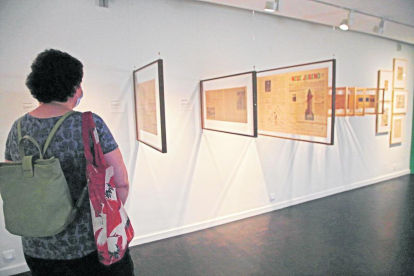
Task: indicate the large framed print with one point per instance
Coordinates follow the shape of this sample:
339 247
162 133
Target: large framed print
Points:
351 102
383 124
341 100
150 105
400 73
293 102
385 81
397 129
229 104
371 99
399 101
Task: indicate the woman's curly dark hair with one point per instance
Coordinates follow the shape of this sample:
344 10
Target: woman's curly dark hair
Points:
55 76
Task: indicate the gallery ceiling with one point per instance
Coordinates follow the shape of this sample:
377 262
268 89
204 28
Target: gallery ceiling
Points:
398 14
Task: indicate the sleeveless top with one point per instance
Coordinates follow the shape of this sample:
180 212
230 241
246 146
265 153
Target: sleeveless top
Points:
77 239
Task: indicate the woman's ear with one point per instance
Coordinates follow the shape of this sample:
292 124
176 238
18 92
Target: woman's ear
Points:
78 91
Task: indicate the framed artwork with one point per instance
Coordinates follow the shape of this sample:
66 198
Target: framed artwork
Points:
383 124
150 105
295 105
341 100
385 81
370 103
229 104
380 104
397 129
400 73
399 101
351 102
360 101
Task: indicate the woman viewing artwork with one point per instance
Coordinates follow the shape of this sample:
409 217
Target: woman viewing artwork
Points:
55 81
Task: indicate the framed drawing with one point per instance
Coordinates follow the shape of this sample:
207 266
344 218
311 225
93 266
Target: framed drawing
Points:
351 102
383 124
397 129
400 73
380 104
385 81
399 101
360 101
229 104
370 103
293 102
150 105
340 102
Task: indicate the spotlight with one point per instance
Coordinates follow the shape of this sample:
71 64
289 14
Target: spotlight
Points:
380 28
272 6
346 23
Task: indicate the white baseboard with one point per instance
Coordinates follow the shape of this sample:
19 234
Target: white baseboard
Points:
20 268
258 211
15 269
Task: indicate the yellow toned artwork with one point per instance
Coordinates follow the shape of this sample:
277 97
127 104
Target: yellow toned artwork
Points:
340 102
370 101
400 101
400 73
360 101
294 103
385 117
146 106
397 129
229 105
350 109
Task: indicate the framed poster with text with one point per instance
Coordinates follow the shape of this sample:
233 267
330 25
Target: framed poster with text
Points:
229 104
293 102
400 73
150 105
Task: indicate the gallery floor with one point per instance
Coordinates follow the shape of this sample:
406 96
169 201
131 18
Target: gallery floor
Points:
368 231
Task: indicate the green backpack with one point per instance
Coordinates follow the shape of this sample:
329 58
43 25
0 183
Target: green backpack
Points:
36 197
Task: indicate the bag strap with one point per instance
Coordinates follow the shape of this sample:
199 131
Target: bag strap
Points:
49 138
88 130
21 146
54 129
19 130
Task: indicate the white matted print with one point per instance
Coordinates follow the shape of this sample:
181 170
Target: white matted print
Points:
229 104
385 82
399 101
397 129
400 73
150 105
384 118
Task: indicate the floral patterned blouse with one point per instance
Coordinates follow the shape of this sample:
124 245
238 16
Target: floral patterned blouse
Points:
67 145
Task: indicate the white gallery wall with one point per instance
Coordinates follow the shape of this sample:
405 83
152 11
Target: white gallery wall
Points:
206 178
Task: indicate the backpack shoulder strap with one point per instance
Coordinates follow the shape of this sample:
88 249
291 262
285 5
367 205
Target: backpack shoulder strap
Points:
54 129
19 130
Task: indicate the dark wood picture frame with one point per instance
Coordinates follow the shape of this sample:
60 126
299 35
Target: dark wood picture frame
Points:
331 132
159 76
253 107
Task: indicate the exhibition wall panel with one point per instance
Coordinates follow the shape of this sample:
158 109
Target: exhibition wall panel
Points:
206 178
